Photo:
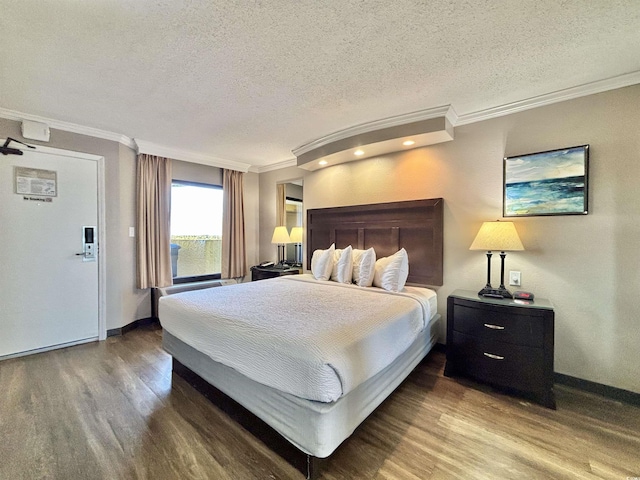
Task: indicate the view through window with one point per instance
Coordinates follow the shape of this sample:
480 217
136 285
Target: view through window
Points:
196 229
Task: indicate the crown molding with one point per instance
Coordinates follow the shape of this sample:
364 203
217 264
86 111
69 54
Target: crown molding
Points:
189 156
275 166
69 127
592 88
444 111
139 145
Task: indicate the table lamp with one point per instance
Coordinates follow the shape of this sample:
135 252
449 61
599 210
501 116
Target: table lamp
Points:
296 238
280 237
496 236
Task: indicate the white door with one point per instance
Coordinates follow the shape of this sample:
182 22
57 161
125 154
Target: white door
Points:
48 293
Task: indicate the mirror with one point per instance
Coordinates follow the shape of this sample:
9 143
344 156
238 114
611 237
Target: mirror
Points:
293 218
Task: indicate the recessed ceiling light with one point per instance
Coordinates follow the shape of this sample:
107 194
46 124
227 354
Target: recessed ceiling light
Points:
408 143
358 153
323 162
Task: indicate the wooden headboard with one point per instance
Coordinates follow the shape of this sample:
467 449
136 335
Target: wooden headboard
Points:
416 225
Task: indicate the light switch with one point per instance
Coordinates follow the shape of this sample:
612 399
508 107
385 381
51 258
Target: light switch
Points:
514 278
132 231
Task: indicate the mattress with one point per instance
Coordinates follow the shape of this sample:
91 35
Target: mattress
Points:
312 339
316 428
317 340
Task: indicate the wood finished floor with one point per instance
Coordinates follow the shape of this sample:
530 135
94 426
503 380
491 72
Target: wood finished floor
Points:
108 410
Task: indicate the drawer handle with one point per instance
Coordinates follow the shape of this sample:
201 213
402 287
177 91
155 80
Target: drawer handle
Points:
495 357
494 327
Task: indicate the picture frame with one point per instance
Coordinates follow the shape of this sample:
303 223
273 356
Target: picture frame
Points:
554 182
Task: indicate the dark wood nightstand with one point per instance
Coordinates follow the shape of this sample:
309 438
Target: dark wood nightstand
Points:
502 342
261 273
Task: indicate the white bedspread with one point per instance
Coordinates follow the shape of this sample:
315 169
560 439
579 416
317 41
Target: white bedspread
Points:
316 340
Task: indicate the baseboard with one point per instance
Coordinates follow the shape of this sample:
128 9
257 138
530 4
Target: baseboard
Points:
135 324
606 391
599 389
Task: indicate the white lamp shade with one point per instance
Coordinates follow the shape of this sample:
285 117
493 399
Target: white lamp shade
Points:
280 235
296 234
497 236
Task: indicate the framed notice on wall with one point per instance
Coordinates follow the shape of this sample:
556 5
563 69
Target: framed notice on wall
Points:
33 181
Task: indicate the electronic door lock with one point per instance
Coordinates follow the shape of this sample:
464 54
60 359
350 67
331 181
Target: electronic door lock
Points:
89 242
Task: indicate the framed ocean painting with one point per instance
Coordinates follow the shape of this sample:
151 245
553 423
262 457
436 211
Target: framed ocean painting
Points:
547 183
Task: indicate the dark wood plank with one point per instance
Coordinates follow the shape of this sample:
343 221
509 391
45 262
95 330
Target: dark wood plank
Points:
308 465
110 410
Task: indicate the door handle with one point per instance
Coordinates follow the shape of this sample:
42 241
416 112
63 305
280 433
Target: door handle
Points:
494 357
494 327
89 244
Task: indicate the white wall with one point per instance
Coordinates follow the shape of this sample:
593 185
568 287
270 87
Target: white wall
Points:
586 265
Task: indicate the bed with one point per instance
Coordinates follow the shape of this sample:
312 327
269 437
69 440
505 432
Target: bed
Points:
317 357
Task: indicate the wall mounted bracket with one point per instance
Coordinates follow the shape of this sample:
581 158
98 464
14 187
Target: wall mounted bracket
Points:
7 150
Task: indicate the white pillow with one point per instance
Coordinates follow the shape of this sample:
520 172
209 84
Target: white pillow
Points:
342 265
364 263
391 272
322 263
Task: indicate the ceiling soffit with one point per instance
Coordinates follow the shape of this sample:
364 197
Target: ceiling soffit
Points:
403 132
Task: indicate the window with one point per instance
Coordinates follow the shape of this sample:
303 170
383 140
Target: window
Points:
196 231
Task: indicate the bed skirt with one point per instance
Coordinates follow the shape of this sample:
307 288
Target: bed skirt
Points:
315 428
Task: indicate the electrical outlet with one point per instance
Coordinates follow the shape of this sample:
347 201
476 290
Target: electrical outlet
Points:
514 278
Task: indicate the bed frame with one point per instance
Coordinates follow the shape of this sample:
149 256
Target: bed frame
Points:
415 225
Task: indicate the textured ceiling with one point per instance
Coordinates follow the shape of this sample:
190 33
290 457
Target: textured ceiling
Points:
249 81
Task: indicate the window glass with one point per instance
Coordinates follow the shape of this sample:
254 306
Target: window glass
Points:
196 229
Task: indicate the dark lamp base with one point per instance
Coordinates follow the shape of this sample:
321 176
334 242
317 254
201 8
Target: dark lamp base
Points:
495 292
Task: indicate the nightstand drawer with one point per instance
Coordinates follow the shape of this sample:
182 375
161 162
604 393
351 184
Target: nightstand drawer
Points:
499 325
504 364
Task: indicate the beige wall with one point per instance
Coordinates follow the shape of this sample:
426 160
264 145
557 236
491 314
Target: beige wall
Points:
124 303
251 218
586 265
267 210
133 303
195 172
293 191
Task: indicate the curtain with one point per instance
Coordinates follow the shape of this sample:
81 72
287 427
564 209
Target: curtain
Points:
234 254
153 186
281 205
